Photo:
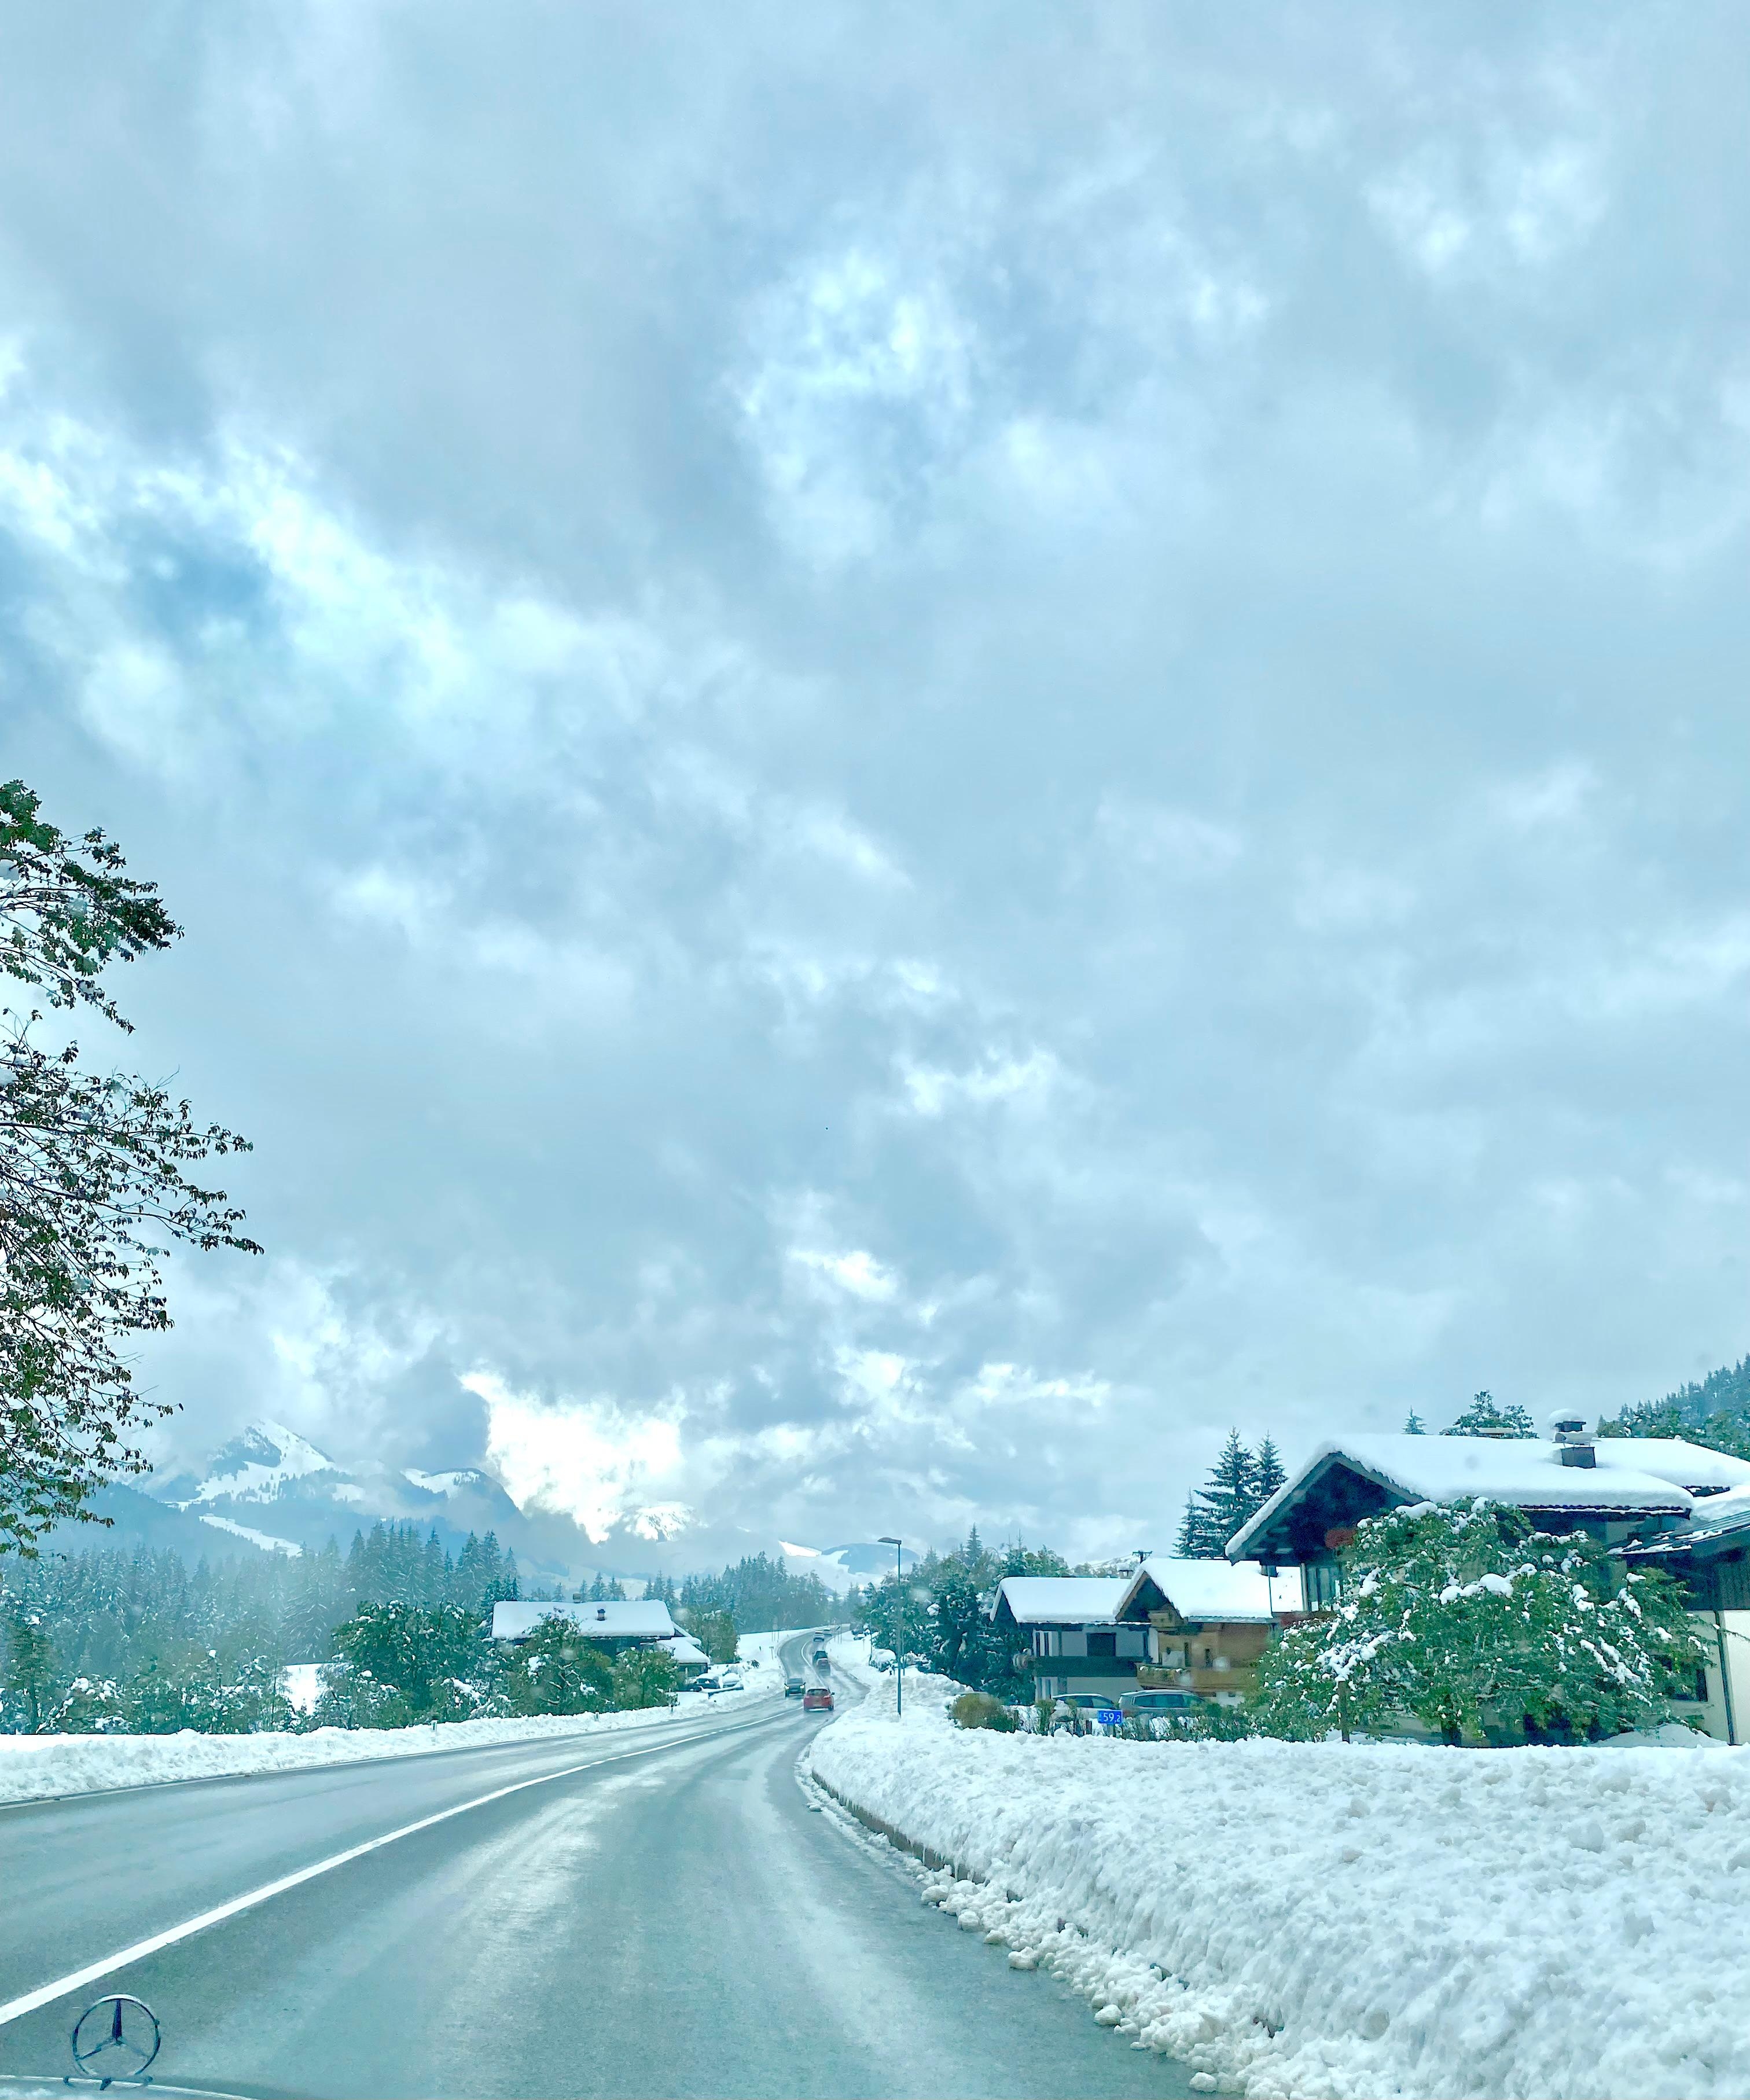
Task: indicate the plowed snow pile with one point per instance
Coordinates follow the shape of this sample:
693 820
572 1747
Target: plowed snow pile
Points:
1322 1919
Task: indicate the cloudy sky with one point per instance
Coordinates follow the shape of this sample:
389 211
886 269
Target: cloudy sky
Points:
909 751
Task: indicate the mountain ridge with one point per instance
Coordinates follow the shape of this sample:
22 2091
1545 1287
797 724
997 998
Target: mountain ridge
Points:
270 1488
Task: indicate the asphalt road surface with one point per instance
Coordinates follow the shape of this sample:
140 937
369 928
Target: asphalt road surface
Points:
668 1918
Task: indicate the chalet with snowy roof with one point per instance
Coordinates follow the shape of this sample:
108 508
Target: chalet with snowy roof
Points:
688 1657
1066 1630
1208 1621
1617 1489
640 1623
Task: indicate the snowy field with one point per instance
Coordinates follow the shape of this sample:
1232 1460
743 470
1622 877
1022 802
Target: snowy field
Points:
1317 1919
37 1768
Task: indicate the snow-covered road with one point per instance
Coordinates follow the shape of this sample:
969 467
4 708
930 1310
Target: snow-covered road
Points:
646 1912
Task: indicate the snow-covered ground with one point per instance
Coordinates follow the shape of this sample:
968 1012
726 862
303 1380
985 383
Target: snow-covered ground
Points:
1365 1919
32 1767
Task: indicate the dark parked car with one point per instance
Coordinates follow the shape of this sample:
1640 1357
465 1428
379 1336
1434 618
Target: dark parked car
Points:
1146 1705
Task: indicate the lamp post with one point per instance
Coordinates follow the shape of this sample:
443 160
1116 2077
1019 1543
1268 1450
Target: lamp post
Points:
899 1643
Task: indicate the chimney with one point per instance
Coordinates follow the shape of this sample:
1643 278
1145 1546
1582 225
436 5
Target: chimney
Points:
1572 1440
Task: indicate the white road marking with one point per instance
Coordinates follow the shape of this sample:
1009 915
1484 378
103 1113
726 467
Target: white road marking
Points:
63 1986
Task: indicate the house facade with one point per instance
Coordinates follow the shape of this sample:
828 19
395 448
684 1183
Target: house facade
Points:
1208 1621
1065 1631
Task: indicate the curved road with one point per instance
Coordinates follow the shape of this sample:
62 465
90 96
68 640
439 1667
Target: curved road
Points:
667 1917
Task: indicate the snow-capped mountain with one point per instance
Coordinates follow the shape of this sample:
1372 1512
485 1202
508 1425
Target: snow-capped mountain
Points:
271 1487
257 1466
277 1490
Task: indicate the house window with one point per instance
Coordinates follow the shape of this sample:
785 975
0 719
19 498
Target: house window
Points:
1321 1585
1103 1644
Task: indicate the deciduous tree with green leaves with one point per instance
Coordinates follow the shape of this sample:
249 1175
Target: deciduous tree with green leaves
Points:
402 1663
555 1670
1462 1615
94 1185
715 1633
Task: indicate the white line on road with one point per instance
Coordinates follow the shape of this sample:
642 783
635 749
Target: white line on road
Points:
47 1993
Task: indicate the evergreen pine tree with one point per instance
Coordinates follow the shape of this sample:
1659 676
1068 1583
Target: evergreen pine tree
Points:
1484 1417
29 1666
1232 1494
1413 1426
1267 1472
1199 1536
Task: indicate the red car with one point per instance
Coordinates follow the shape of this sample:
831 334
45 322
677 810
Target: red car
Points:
817 1700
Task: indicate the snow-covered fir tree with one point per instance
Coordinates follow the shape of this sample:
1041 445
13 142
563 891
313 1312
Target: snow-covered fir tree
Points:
1484 1417
1240 1483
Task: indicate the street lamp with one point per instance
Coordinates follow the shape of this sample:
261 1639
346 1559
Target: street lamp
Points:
899 1643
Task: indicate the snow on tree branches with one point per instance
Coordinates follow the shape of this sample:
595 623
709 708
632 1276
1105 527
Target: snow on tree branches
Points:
1484 1417
92 1185
1463 1616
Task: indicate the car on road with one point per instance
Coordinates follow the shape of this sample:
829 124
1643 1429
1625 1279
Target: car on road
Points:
793 1687
1159 1705
818 1699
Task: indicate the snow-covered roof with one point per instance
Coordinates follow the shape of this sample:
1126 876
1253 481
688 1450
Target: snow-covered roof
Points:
1203 1590
1632 1473
1722 1512
641 1619
684 1649
1062 1600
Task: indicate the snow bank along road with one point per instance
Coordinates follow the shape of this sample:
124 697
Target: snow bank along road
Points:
1314 1919
50 1767
658 1913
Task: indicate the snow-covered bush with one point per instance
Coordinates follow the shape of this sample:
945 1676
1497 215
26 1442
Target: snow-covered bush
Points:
191 1691
90 1706
1461 1615
403 1663
555 1672
645 1677
978 1709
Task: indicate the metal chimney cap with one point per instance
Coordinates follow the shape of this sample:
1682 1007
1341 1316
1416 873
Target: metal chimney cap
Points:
1566 1426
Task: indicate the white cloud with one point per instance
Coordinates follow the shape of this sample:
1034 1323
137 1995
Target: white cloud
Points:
595 1460
1552 800
134 698
858 378
1170 842
1025 1083
857 1272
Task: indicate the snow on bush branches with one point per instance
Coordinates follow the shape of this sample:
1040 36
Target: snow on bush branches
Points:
1462 1615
